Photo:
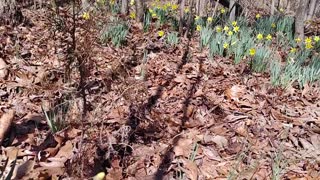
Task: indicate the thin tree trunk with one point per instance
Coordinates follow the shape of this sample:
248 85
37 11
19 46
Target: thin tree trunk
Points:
215 8
312 8
124 7
202 8
140 10
299 18
181 21
273 7
232 7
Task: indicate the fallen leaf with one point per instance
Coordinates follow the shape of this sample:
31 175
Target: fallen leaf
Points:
3 69
220 141
235 92
190 168
183 147
5 123
23 169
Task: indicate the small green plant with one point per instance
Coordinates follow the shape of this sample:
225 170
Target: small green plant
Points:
146 21
56 117
260 59
275 72
206 34
216 45
116 33
173 38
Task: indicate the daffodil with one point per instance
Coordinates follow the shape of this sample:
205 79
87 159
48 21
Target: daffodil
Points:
281 10
230 33
293 50
273 25
234 23
308 40
132 15
268 37
225 45
210 19
86 15
160 33
218 28
298 40
198 28
197 18
150 11
174 6
131 2
258 16
316 38
236 29
309 46
259 36
252 52
226 28
186 10
154 15
112 2
222 10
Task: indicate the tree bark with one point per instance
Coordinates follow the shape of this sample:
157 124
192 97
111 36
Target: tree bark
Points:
139 10
181 20
10 13
299 18
273 3
124 7
312 7
232 7
202 8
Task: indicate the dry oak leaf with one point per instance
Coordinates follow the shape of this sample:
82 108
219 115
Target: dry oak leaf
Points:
235 92
5 123
3 69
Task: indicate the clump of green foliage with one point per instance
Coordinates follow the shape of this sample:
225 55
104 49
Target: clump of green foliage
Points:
115 32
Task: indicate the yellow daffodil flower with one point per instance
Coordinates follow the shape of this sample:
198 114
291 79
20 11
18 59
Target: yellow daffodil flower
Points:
281 10
131 2
186 10
86 15
218 28
174 6
293 50
198 28
132 15
259 36
222 10
160 33
316 38
154 15
273 25
99 176
269 37
308 40
150 11
234 23
258 16
236 29
225 45
252 52
226 28
309 46
197 18
112 2
210 19
230 33
298 40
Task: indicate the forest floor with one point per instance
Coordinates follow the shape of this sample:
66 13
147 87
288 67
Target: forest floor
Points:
153 112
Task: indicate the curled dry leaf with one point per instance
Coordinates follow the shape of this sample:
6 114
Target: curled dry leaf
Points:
183 147
23 169
5 123
3 69
235 92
